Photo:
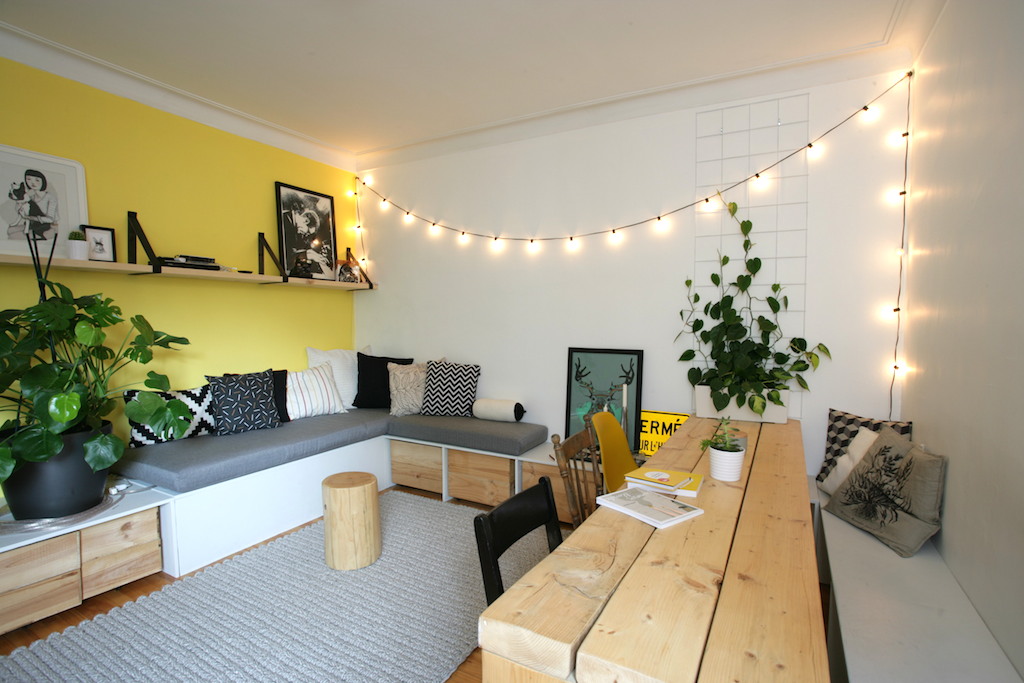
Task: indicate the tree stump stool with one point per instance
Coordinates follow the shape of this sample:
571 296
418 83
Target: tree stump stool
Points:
351 520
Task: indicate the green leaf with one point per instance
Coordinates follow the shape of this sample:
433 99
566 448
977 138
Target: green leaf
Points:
688 355
743 282
143 407
157 381
746 227
64 407
88 334
102 451
721 400
753 265
716 279
757 404
146 334
698 325
773 304
36 444
821 348
802 382
694 376
689 283
813 358
733 208
6 462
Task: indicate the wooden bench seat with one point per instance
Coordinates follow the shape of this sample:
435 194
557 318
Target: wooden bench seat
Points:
901 619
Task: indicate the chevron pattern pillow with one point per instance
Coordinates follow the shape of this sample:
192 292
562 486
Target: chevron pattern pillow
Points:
842 427
243 403
199 402
450 389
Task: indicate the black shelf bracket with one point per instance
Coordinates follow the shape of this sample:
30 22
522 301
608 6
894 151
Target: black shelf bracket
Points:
264 248
137 235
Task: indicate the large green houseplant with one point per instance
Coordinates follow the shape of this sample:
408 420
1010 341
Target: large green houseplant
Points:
749 360
57 378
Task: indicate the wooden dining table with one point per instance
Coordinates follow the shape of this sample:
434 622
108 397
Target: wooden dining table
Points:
731 595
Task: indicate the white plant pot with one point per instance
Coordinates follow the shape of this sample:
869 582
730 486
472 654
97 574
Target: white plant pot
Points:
726 465
78 250
704 407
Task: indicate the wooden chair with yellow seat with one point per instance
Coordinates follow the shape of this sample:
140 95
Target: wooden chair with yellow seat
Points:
577 463
616 456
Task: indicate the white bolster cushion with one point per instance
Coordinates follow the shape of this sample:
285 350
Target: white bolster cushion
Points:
498 409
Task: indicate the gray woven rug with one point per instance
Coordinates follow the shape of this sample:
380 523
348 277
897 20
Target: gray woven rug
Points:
278 613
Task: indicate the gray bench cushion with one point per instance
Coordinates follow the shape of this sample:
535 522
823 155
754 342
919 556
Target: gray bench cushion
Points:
511 438
190 464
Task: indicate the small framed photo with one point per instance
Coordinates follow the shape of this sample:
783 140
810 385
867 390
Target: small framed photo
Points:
605 379
43 200
305 221
101 243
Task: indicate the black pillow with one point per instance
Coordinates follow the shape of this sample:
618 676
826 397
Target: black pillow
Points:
244 402
281 395
373 385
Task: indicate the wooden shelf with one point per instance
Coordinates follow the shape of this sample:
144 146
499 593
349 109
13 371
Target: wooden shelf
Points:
190 273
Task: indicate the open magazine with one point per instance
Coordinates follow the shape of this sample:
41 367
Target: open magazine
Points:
657 509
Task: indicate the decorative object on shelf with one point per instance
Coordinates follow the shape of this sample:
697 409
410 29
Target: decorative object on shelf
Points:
726 452
101 243
604 379
56 381
349 270
78 248
305 222
748 361
43 196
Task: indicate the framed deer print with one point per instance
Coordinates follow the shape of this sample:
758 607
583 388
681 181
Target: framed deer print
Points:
604 379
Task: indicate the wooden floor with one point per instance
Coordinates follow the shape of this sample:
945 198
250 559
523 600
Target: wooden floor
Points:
471 671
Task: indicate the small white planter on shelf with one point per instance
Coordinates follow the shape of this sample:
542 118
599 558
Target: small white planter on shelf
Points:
726 465
704 407
78 250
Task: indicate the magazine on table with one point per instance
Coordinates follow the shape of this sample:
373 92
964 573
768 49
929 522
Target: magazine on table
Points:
657 509
670 481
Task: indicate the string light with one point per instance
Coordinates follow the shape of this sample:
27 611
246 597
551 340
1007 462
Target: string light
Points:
383 205
897 307
572 244
407 217
463 238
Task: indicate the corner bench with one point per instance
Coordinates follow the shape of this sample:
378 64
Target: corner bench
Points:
231 492
899 619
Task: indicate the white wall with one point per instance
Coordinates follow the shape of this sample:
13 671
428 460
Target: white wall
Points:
516 314
965 306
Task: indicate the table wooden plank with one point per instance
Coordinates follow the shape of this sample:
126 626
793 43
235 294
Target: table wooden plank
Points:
497 668
655 625
768 625
540 621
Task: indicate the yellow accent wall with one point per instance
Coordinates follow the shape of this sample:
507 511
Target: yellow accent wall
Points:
197 190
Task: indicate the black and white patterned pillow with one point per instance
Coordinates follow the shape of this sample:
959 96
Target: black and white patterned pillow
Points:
243 403
450 389
842 427
199 402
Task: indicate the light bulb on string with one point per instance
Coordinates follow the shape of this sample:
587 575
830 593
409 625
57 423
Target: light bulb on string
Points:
662 224
815 150
870 114
895 195
434 230
572 244
897 138
384 205
533 247
463 239
407 218
759 183
497 244
368 180
615 237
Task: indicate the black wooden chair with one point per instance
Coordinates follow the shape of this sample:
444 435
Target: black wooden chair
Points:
499 529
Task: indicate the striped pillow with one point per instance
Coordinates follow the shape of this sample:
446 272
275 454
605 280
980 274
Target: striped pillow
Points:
313 392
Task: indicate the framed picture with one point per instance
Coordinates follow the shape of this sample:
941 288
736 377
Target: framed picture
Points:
600 379
305 222
101 243
43 200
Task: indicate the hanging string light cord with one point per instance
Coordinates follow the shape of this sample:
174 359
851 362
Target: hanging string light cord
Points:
434 224
902 253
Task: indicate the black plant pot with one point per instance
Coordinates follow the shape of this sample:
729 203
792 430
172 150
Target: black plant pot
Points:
61 486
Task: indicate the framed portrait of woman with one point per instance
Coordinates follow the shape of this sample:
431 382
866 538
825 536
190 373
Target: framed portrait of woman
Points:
43 200
305 222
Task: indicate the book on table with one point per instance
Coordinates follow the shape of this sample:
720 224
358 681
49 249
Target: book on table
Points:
657 509
668 481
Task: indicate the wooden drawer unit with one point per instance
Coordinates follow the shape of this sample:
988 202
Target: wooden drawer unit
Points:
417 465
533 471
120 551
39 580
487 479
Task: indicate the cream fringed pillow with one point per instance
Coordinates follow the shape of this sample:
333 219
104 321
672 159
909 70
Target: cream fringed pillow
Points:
847 462
407 383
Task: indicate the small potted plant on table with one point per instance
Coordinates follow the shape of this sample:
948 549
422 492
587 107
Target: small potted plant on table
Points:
726 452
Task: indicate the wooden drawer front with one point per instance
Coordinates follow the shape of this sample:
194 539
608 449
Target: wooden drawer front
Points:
120 551
486 479
37 562
533 471
40 600
416 465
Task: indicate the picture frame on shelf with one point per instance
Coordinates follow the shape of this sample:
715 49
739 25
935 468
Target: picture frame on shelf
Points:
595 380
306 235
43 196
101 243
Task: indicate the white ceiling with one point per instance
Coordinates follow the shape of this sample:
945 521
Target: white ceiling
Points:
365 76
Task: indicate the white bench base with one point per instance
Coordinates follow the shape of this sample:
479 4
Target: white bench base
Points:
901 619
203 526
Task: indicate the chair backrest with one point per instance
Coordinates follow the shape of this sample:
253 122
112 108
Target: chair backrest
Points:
577 463
616 455
499 529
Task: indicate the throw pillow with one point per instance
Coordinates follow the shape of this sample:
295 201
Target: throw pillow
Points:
450 389
199 402
845 463
842 427
344 367
243 403
374 387
281 395
407 383
312 392
895 493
